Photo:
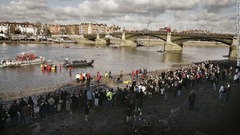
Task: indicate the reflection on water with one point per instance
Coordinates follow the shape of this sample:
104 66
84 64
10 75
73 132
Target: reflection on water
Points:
172 57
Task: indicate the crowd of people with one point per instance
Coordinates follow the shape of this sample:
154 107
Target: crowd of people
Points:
143 85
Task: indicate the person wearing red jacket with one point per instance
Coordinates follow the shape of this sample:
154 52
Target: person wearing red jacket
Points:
98 77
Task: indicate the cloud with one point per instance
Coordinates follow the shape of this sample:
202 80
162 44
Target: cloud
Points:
218 5
126 13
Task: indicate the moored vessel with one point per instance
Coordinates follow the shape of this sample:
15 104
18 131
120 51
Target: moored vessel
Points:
23 60
77 63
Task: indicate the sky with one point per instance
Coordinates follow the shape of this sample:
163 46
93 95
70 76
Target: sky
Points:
213 15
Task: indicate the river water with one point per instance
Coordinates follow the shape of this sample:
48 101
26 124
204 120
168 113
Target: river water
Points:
106 58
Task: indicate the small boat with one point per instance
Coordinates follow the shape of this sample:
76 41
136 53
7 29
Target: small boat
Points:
63 40
9 63
66 46
77 63
140 43
115 46
23 59
160 50
48 67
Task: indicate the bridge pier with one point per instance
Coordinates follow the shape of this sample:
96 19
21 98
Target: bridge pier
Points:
233 48
99 41
127 43
123 36
121 42
170 46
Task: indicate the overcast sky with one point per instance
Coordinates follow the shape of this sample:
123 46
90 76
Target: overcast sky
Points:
212 15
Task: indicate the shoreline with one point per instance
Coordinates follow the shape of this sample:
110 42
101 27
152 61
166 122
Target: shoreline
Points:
189 43
5 96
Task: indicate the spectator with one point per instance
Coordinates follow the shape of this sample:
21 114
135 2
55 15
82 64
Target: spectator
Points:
191 100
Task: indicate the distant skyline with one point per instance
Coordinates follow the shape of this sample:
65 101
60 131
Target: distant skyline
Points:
213 15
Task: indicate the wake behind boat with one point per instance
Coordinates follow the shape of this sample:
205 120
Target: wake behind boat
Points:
23 60
77 63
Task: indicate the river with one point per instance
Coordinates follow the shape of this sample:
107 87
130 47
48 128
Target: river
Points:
106 58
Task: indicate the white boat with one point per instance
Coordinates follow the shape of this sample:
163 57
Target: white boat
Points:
9 63
140 43
23 60
63 40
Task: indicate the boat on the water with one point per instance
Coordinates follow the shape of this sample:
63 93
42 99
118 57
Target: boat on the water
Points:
66 46
77 63
160 50
9 63
48 67
139 43
115 46
63 40
23 60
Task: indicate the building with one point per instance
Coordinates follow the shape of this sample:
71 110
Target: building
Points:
3 27
54 28
92 28
72 29
18 28
114 28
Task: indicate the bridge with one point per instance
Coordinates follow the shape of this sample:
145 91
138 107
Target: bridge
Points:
173 41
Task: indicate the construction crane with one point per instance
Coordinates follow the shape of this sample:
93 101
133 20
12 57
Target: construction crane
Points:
148 25
146 29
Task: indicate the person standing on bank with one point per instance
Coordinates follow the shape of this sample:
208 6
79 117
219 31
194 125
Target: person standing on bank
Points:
221 93
3 117
228 89
191 100
98 77
137 118
86 110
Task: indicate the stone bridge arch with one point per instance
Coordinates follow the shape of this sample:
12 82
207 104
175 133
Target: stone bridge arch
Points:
134 37
228 41
174 41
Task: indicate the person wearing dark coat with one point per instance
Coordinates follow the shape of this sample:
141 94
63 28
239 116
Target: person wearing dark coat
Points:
13 111
43 111
191 100
74 101
3 117
86 110
21 104
31 103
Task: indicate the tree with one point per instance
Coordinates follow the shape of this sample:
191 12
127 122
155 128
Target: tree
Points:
46 30
48 33
38 25
12 29
17 31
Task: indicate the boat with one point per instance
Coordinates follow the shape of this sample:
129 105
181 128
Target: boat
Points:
66 46
23 60
139 43
63 40
160 50
9 63
48 67
77 63
114 46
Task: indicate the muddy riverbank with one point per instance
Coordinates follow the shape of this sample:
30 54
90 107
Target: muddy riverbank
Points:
210 116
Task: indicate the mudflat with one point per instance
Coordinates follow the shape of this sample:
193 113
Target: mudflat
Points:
210 116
